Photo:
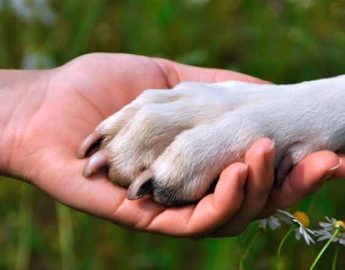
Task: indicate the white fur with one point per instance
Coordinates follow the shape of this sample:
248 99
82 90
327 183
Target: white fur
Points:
187 135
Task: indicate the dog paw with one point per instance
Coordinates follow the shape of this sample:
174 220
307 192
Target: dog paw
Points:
174 143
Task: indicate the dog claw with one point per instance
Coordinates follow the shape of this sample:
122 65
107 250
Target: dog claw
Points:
90 144
141 186
95 163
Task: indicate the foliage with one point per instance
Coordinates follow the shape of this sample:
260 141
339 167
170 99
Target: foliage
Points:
280 41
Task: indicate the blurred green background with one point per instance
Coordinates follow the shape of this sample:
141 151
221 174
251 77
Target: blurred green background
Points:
280 41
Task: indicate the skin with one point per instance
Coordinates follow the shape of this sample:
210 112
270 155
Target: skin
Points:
44 115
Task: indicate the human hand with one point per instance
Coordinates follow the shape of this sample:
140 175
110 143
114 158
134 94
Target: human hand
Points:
46 114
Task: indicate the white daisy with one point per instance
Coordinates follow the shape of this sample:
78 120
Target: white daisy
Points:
301 221
329 228
270 222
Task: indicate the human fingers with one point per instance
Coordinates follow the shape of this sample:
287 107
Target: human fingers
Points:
260 160
305 178
176 73
210 212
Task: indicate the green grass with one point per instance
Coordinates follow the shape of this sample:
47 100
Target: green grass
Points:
280 41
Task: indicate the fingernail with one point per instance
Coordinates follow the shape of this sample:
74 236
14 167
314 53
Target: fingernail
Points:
244 173
269 160
332 170
272 144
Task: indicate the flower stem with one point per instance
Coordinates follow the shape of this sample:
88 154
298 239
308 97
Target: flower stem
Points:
279 251
245 253
324 248
335 257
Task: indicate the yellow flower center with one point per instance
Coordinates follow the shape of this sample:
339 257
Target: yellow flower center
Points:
340 223
302 217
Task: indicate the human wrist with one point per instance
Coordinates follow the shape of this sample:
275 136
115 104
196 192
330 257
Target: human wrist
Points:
15 87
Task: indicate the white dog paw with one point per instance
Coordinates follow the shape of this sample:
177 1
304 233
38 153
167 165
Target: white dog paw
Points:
174 143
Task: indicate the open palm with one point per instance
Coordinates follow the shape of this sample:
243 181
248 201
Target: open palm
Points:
71 100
